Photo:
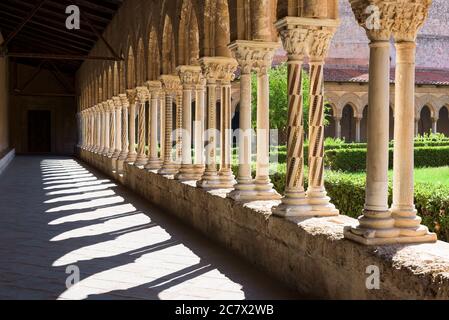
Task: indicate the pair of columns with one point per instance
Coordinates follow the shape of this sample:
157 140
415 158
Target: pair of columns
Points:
254 56
338 135
380 224
305 37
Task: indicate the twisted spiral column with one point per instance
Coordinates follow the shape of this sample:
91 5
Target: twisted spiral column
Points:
142 98
125 143
316 192
294 203
132 154
118 127
179 114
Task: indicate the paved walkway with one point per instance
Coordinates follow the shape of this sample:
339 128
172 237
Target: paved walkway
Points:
58 217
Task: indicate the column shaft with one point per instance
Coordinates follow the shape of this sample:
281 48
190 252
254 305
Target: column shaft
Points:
141 159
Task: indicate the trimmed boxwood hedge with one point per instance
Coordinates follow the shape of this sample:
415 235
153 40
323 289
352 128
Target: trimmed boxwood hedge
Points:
352 160
348 194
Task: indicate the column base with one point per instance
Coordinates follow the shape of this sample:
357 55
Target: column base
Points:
209 180
199 169
294 204
123 156
141 161
153 164
187 173
227 179
168 169
120 165
377 241
320 203
265 191
244 191
131 158
116 154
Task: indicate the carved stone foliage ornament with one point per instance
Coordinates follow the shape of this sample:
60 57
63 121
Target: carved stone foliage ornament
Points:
220 69
253 55
190 76
306 37
171 83
381 18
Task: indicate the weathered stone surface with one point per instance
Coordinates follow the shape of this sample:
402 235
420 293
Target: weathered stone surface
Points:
309 255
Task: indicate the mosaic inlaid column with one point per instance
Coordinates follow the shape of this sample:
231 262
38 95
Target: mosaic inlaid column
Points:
118 127
162 125
190 76
178 127
125 127
170 84
112 128
154 88
142 98
294 202
199 127
219 72
132 97
317 49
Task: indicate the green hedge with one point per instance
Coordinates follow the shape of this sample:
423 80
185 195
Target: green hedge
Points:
348 194
352 160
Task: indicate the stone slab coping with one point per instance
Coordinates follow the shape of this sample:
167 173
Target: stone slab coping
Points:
5 159
310 255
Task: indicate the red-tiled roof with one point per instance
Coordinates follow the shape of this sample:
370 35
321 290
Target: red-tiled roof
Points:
360 75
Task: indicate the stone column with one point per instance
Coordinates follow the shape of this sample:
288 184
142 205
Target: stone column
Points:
99 129
161 124
434 125
416 127
125 127
178 128
170 85
337 120
294 202
154 162
317 49
142 98
112 127
376 223
210 177
264 187
199 128
106 129
403 208
357 129
190 77
132 97
91 129
227 179
118 127
244 190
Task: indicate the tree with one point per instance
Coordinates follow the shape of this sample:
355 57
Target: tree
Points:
279 100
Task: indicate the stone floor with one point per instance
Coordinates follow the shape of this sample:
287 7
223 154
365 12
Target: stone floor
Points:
58 216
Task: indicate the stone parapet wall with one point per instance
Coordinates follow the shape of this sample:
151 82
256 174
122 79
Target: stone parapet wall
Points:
309 255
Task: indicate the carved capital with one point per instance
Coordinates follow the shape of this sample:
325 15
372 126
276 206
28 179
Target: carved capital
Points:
306 36
132 95
409 18
381 18
142 94
190 76
253 55
154 88
171 84
220 69
124 100
117 102
111 105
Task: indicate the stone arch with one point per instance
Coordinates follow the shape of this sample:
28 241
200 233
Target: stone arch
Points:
188 36
115 79
154 61
140 63
443 120
348 122
431 102
130 69
425 119
353 101
332 100
168 48
216 22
